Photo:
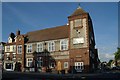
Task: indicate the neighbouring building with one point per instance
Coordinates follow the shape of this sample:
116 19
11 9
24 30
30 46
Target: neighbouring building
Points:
68 47
1 52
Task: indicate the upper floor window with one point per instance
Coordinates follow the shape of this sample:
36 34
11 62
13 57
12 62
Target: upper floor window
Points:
51 46
8 56
64 44
39 47
7 48
78 22
29 48
9 40
14 48
14 55
19 49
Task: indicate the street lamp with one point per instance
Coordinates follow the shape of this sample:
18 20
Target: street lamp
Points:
71 61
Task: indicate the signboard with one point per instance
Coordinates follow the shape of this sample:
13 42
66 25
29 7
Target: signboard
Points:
78 40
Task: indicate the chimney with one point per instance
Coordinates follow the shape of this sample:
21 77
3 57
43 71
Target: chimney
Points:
18 32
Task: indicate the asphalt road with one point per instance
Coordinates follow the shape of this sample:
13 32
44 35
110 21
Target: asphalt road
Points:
51 76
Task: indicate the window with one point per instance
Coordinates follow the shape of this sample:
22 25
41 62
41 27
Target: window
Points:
14 55
29 48
19 49
14 48
39 47
51 46
9 66
65 64
52 65
78 22
9 40
8 56
63 44
79 40
79 66
40 62
7 48
29 62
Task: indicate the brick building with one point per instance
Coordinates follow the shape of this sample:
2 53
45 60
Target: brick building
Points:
69 47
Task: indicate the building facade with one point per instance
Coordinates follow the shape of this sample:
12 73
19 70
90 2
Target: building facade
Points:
1 53
69 47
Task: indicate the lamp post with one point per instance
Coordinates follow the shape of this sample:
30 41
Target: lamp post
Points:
71 61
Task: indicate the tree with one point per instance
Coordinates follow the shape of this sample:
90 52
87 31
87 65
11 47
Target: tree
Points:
109 63
117 54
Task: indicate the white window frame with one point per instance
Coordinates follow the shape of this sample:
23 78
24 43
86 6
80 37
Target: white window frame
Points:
14 48
19 49
40 61
7 49
79 65
14 55
64 44
9 40
29 48
51 46
29 60
39 47
7 55
52 65
66 64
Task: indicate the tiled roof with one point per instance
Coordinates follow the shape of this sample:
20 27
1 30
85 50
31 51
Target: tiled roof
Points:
59 32
78 11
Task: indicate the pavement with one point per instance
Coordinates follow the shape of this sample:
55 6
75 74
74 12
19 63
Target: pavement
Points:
50 76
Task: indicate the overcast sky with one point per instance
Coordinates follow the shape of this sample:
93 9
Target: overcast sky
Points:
35 16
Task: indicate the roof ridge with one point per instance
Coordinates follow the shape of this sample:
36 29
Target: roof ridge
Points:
46 28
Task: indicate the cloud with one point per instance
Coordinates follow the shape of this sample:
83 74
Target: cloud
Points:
109 56
106 52
106 56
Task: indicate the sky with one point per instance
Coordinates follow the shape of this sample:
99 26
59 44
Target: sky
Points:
28 16
60 0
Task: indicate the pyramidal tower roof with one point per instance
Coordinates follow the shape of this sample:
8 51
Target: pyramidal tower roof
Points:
78 11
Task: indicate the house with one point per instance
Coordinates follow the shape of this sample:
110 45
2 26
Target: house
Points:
68 47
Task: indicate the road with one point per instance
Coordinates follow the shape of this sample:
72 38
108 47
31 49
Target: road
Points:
51 76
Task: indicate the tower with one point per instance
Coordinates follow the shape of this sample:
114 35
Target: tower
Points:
78 29
81 41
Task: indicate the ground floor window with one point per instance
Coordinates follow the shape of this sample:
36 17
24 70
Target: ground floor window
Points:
9 66
52 65
29 62
40 62
79 65
65 64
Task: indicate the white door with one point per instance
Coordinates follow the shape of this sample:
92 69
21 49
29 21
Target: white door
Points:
79 66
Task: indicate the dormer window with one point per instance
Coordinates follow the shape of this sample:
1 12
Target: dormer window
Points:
11 37
9 40
15 38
